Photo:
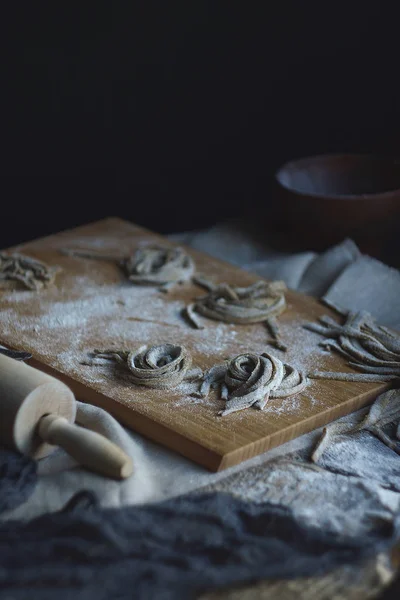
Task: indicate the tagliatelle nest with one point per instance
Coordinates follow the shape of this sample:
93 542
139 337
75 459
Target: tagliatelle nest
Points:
151 264
163 367
30 272
260 302
159 265
251 379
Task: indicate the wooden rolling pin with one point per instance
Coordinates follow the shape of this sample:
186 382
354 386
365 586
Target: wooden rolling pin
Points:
37 413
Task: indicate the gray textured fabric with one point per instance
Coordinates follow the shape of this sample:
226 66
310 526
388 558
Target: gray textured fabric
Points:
174 549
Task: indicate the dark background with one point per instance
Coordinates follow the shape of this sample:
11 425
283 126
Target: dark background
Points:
177 114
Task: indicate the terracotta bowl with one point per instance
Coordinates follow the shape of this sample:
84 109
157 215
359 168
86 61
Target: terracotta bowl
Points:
324 199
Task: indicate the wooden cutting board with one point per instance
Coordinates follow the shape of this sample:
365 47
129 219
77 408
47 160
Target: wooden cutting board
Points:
92 306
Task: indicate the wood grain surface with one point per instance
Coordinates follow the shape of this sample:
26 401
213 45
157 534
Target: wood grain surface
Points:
91 305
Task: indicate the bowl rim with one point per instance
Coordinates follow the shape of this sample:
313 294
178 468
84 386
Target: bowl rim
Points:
321 158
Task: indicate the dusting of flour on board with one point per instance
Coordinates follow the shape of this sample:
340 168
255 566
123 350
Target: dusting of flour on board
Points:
125 316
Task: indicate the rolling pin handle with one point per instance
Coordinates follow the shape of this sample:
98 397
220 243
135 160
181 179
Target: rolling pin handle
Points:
89 448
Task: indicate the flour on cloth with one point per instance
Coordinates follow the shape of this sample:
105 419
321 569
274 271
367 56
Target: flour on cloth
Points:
325 500
369 448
